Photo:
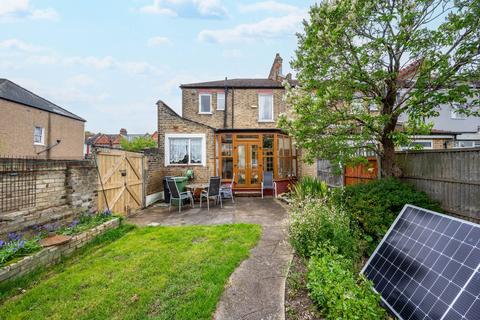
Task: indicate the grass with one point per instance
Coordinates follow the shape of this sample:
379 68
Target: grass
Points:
135 273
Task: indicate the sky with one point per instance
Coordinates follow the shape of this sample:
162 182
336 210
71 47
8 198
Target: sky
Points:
110 61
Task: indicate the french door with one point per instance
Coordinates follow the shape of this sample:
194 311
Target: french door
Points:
247 164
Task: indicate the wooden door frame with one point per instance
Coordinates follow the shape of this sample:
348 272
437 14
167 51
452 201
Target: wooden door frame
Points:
248 144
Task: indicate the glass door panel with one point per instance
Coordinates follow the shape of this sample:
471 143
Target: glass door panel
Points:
241 164
254 174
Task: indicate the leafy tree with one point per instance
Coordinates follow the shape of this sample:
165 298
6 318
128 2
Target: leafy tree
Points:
362 64
138 144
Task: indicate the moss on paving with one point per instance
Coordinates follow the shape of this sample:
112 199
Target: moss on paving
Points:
144 273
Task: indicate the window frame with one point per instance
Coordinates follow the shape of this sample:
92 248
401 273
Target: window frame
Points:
223 106
260 108
42 138
200 95
410 147
188 136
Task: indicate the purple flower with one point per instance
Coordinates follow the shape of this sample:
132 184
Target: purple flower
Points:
107 213
13 236
74 223
21 244
1 244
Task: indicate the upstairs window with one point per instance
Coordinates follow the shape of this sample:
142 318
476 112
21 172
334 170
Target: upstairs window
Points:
265 108
39 136
205 103
455 114
220 101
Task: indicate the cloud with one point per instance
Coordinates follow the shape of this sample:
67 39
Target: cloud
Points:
203 9
268 28
232 53
32 54
158 41
269 6
80 80
14 10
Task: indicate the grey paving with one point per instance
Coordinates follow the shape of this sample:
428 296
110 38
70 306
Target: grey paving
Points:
256 288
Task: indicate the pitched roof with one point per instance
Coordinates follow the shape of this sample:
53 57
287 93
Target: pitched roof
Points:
13 92
239 83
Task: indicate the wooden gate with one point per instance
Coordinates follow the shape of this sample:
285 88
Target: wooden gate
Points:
361 173
121 176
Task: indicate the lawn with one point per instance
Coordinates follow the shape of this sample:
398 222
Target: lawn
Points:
153 272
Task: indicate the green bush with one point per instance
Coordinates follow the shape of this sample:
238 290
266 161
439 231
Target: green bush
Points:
337 291
309 187
314 223
375 205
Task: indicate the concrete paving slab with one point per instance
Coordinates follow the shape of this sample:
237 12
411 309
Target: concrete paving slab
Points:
256 288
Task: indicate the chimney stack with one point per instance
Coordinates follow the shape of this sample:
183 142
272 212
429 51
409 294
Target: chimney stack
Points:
123 132
276 70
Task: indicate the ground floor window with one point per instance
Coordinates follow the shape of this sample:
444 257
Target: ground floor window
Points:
424 144
466 143
184 149
245 156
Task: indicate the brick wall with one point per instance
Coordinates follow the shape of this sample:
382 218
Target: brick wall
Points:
245 111
171 122
154 171
52 255
62 189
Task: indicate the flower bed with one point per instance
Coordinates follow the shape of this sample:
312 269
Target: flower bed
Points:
51 255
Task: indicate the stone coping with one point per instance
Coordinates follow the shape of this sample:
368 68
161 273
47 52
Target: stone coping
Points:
51 255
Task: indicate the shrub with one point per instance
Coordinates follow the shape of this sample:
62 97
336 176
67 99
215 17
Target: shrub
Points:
15 246
309 187
375 205
314 223
337 291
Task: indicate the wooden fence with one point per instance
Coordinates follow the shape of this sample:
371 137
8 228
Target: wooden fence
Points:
450 176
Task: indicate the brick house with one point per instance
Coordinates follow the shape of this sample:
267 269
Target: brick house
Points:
31 126
111 141
228 128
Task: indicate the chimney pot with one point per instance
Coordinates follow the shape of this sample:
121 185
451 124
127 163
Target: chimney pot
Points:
123 132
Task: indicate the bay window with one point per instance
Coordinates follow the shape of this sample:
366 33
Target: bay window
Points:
185 149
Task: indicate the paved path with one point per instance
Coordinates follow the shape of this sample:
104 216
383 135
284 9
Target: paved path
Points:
256 288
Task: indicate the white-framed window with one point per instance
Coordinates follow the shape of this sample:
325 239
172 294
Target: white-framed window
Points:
220 101
205 103
265 108
466 144
39 136
185 149
454 114
425 144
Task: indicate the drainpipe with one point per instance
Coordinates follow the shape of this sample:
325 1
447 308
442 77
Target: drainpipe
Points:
233 105
225 104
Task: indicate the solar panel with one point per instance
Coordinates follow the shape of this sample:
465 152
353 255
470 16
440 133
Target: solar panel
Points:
427 267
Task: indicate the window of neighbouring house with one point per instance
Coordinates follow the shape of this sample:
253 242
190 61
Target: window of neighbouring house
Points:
455 112
185 150
265 107
466 143
220 101
39 136
418 144
205 103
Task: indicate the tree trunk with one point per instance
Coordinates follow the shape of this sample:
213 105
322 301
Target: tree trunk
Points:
389 167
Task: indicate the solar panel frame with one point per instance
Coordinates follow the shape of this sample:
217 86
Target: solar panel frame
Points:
459 224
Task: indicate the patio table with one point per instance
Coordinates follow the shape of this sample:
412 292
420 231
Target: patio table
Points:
196 186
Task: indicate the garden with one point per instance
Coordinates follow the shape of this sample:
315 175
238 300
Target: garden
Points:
333 232
135 273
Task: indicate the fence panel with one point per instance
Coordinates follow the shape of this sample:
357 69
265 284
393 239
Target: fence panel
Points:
450 176
326 172
361 173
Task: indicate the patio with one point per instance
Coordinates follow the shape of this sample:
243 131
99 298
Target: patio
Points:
256 288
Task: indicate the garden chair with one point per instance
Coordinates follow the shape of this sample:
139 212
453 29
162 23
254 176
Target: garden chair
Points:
213 192
175 194
268 183
226 190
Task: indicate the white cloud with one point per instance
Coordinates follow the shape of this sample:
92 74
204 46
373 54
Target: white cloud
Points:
16 44
270 6
232 53
14 10
90 61
80 80
158 41
268 28
209 9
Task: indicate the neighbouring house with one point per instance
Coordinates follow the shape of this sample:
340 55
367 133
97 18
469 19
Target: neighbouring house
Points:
228 128
31 126
112 141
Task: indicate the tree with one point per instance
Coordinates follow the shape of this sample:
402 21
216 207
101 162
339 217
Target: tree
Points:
138 144
362 64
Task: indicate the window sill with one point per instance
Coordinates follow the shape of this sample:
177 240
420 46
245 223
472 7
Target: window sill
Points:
220 109
186 165
205 113
266 121
39 144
